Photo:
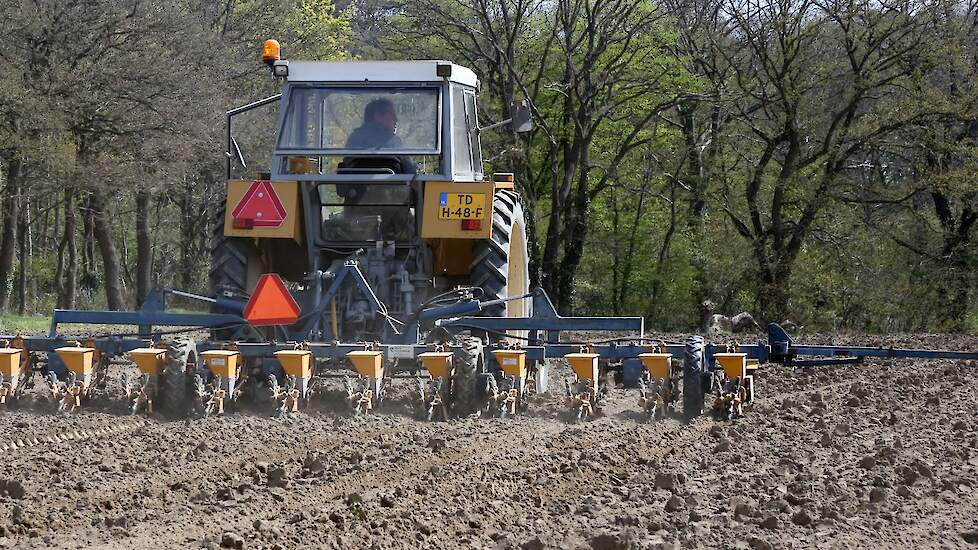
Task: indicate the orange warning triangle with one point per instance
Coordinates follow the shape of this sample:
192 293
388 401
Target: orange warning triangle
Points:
271 303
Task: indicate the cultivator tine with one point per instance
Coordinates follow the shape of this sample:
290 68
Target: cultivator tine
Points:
54 386
583 394
510 401
70 394
431 403
11 366
419 388
366 402
216 401
582 398
733 386
66 396
278 394
509 396
352 395
728 403
5 389
140 394
286 398
292 395
436 407
654 396
657 383
434 402
132 393
297 365
137 396
224 369
504 398
86 367
209 397
362 395
370 386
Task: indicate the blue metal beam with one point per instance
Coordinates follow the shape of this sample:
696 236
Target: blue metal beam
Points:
111 346
546 323
144 318
864 351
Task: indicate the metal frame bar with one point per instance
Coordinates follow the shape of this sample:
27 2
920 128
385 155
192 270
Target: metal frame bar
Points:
141 318
546 319
350 269
230 134
778 348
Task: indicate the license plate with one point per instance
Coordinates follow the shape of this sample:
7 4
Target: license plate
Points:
462 206
400 352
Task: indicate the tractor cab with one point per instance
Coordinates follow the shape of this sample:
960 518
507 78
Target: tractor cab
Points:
379 119
367 132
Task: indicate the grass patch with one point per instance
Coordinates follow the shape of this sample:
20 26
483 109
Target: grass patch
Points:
27 324
971 322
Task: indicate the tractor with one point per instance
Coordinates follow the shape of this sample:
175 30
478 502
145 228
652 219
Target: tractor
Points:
375 206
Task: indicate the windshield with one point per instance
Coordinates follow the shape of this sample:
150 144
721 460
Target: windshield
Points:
362 119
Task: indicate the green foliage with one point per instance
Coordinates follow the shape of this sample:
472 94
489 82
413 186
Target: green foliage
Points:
690 207
25 324
110 98
971 322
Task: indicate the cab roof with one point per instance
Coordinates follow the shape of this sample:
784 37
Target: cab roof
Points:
377 71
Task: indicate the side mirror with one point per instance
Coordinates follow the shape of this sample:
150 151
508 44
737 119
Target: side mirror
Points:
522 119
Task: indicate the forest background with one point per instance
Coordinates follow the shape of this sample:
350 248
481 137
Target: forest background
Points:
811 160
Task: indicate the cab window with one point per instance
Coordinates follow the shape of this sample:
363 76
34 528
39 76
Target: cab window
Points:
472 123
461 144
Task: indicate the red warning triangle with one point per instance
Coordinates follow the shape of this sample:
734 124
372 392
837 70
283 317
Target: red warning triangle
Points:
259 207
271 303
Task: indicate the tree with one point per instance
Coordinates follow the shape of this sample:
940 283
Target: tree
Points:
815 85
592 69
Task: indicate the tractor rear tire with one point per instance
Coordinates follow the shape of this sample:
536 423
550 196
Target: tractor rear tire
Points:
173 398
233 261
500 264
467 375
694 362
234 269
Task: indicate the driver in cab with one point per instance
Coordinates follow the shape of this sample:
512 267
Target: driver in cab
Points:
378 131
375 211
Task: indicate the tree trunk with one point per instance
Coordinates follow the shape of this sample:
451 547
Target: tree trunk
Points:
144 249
633 237
695 223
775 291
8 241
616 257
658 283
110 258
190 228
575 235
88 239
25 255
955 287
67 276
